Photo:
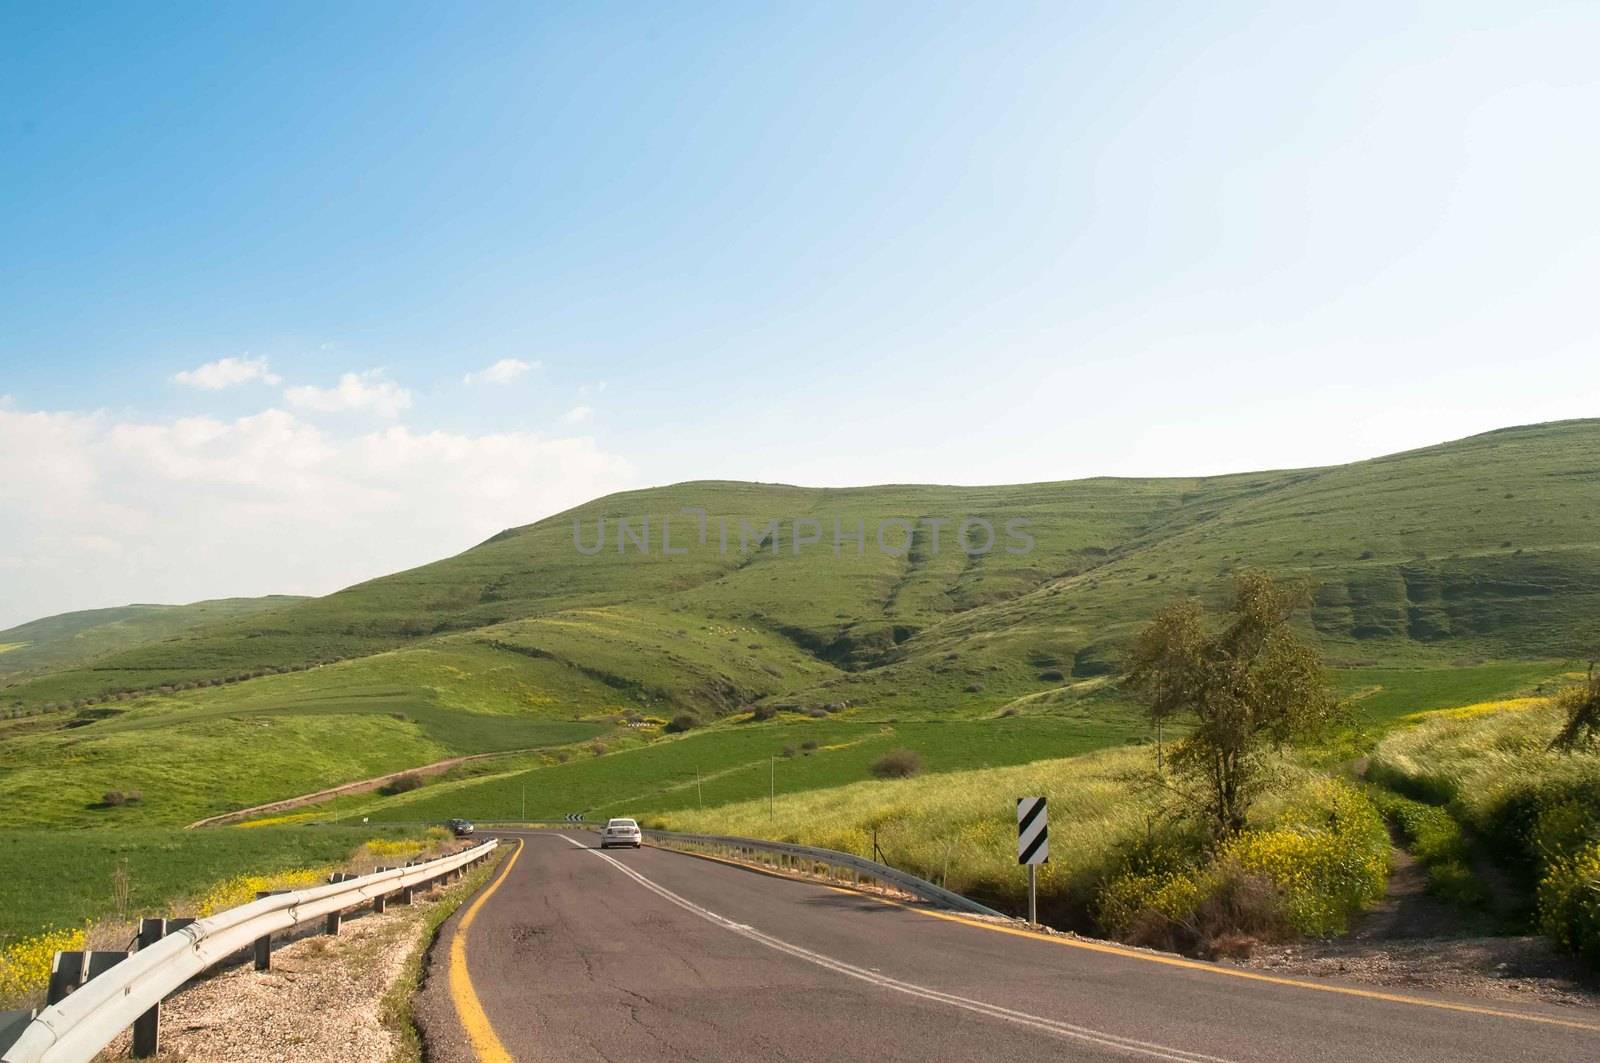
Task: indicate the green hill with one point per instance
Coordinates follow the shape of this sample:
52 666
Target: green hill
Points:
1478 552
71 640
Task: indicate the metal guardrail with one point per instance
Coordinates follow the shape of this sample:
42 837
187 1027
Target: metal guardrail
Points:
78 1027
804 857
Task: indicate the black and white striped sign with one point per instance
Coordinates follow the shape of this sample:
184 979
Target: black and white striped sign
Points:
1033 831
574 817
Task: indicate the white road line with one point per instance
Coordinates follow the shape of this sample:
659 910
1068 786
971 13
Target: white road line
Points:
1020 1018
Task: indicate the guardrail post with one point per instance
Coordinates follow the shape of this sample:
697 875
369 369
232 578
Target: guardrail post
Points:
66 974
147 1027
263 945
381 902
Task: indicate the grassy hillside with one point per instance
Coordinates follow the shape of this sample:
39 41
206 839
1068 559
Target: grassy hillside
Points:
1481 553
72 640
1484 548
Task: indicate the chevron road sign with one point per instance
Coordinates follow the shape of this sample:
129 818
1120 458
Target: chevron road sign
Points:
1033 831
1033 845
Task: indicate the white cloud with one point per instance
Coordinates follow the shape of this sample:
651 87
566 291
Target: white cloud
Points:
592 389
107 511
577 415
502 372
371 391
227 373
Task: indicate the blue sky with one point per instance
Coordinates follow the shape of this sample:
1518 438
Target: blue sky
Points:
827 244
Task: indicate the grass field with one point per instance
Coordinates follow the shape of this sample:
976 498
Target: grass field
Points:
1383 696
738 762
62 879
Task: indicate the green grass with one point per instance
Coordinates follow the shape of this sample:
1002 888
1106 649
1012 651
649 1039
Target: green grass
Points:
74 639
61 879
960 830
735 762
1382 696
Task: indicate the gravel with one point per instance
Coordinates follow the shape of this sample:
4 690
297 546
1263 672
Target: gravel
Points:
321 1001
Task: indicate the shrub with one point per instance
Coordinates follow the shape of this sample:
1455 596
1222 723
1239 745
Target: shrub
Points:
763 712
684 721
897 764
1329 856
817 713
788 751
1052 675
809 745
113 798
25 964
1569 903
402 784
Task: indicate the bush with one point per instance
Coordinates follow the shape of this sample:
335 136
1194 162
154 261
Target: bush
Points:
1329 857
113 798
897 764
1052 675
788 752
25 965
684 721
403 784
763 712
809 745
1569 903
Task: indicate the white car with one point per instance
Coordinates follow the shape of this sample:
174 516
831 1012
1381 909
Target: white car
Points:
621 832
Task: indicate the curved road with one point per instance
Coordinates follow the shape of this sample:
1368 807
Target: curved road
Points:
573 954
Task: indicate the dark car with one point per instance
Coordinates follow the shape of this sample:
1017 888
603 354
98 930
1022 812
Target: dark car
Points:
461 827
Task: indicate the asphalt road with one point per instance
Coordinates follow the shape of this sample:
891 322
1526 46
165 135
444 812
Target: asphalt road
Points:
575 955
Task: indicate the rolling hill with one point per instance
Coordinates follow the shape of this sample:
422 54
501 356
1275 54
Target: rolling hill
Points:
1478 552
71 640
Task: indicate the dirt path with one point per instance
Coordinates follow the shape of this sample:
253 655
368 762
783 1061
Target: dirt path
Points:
360 786
1411 939
1408 910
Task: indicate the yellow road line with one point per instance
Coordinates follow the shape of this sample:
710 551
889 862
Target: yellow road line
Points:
485 1043
1167 960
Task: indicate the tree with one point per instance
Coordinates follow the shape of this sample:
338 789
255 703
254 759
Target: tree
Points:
1582 706
1249 685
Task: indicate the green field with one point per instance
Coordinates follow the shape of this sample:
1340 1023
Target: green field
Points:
738 762
61 879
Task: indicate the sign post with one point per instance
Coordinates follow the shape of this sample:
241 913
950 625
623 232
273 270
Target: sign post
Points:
1033 845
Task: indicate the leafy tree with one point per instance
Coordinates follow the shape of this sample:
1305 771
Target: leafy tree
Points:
1582 706
1247 686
